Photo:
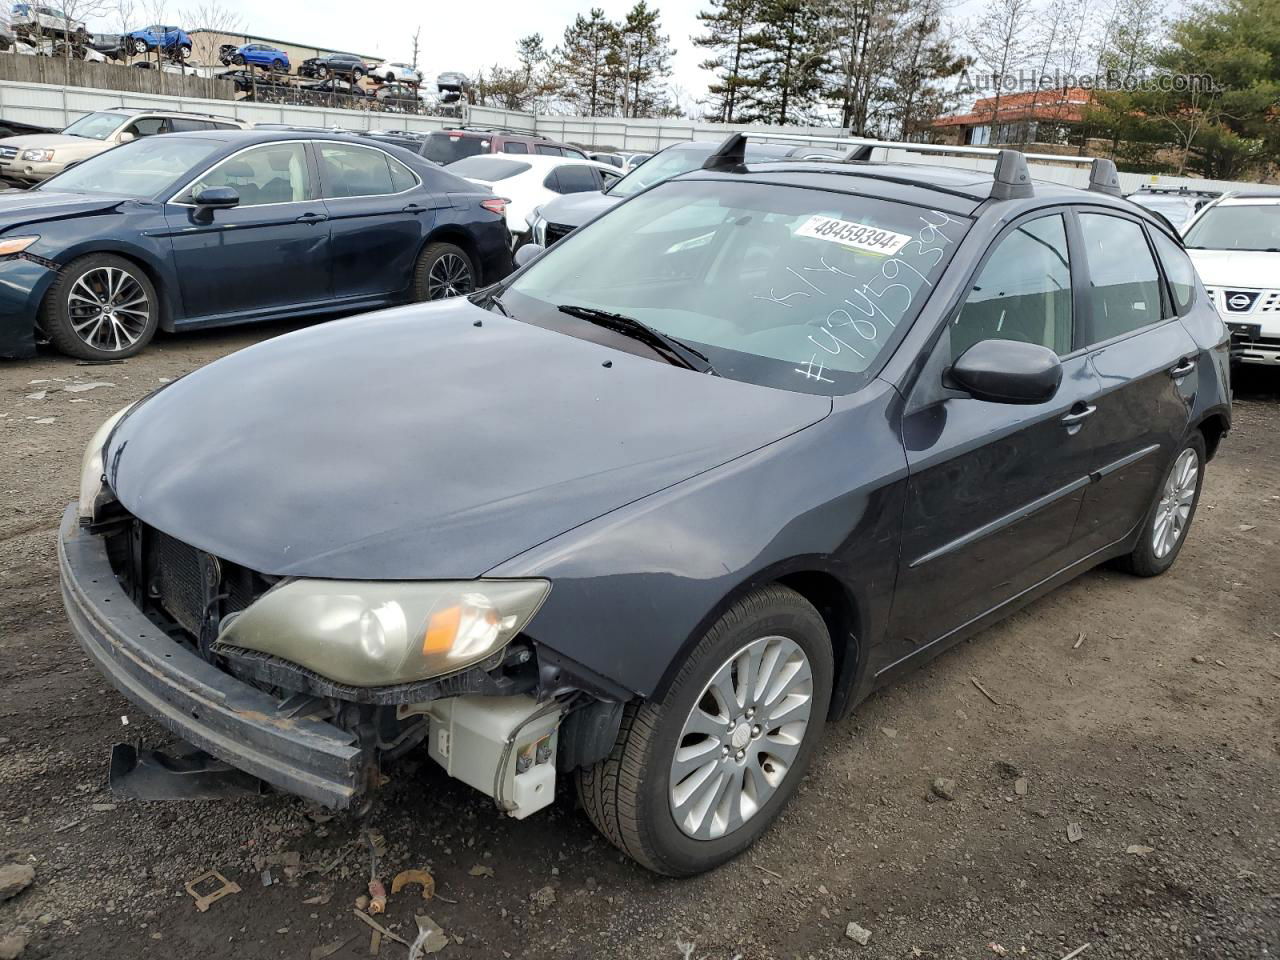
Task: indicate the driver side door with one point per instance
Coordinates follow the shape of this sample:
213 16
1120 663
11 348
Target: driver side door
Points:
994 488
269 252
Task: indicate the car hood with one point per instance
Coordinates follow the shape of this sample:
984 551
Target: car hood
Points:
575 209
1251 269
34 206
29 140
427 442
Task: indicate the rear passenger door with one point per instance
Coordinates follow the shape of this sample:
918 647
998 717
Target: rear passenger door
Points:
379 212
1146 365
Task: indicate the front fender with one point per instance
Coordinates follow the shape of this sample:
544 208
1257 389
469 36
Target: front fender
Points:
634 590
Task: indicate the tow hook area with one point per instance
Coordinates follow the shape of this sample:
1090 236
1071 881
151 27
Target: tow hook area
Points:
505 747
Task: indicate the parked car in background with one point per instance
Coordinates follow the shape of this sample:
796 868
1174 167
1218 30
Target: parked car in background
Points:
1235 244
400 96
257 55
336 89
635 159
615 160
1176 204
200 229
37 20
654 511
553 220
395 72
530 180
36 157
113 46
446 146
334 64
451 86
7 39
170 40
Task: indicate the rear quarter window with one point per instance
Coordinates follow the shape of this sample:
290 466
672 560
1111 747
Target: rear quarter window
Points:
1179 270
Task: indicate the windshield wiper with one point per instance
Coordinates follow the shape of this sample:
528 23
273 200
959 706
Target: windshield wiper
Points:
678 352
490 296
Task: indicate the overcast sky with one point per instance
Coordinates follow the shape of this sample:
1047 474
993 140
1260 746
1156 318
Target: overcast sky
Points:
465 35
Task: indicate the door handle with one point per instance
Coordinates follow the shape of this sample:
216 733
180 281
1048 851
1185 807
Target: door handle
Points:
1079 412
1183 367
413 208
312 218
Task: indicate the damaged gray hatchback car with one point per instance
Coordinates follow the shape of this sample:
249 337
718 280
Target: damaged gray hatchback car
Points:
653 510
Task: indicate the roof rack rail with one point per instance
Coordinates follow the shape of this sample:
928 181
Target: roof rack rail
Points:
1012 177
1103 178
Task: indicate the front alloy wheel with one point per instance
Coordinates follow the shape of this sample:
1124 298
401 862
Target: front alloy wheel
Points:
694 778
101 307
741 737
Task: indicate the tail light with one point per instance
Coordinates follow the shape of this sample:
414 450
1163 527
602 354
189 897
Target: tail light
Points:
496 205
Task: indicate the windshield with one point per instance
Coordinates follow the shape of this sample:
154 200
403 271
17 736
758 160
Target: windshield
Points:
662 166
1246 226
140 169
780 286
1177 210
444 149
490 168
96 126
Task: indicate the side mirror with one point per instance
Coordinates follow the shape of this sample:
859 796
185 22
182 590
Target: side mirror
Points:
216 198
530 251
1007 371
124 136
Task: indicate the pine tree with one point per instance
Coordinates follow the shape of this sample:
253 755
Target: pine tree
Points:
728 24
583 62
643 55
785 56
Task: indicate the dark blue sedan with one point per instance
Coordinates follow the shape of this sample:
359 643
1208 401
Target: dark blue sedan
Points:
225 227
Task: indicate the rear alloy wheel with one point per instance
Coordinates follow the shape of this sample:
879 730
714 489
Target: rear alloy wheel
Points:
101 307
696 778
443 271
1165 529
139 46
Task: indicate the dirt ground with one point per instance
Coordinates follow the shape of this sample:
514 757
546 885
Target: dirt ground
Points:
1158 735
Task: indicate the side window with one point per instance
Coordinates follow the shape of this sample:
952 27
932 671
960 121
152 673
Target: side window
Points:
273 173
402 177
549 151
577 178
354 171
552 182
609 178
1023 292
1124 287
186 125
1180 271
512 146
148 126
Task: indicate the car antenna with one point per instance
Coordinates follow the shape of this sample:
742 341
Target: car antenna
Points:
729 155
1103 178
1012 178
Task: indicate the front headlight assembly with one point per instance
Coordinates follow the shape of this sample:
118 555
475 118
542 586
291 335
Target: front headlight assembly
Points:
92 478
381 633
37 155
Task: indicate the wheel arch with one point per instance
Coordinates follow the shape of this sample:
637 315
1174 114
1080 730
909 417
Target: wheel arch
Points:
1214 426
154 272
835 602
456 235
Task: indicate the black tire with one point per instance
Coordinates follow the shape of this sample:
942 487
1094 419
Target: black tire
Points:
627 795
437 263
356 74
322 72
139 46
278 66
1145 560
238 60
64 308
184 52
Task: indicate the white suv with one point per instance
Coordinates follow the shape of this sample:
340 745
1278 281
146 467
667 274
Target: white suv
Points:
1235 245
395 72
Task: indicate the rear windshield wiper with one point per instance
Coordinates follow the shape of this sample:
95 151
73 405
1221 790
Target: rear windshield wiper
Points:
678 352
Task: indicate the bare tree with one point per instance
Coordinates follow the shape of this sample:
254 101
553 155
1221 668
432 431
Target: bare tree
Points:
416 34
998 37
212 20
74 34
